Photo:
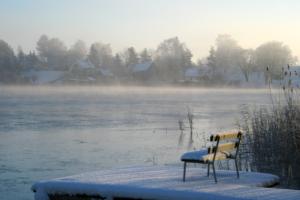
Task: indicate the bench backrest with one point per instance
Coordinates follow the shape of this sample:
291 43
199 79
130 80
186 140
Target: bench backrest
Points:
225 142
225 135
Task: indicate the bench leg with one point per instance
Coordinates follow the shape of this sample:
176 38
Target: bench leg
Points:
237 169
208 167
213 164
184 170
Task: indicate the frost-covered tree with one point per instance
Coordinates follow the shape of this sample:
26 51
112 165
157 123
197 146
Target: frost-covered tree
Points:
227 52
8 63
119 67
32 60
273 55
100 55
43 46
77 52
212 61
21 57
27 61
52 51
131 57
145 56
57 53
226 58
7 56
172 57
117 60
245 61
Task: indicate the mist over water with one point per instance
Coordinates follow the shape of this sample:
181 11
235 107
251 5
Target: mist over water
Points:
49 132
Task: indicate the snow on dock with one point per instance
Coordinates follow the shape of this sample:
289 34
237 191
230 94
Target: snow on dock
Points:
163 183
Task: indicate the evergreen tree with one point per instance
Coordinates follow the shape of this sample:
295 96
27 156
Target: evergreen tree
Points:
131 57
145 56
21 58
8 64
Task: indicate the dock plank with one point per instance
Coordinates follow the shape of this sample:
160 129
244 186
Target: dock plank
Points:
165 183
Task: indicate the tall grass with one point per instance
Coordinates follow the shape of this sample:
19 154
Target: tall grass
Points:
272 139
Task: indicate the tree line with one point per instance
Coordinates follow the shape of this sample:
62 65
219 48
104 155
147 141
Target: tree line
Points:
269 58
171 58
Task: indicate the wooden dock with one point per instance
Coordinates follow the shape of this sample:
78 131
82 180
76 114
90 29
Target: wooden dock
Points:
163 183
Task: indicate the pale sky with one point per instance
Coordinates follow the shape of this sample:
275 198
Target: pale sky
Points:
145 23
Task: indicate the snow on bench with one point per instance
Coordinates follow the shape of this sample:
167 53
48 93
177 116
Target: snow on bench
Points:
162 183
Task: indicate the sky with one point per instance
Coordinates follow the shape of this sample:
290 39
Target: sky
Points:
146 23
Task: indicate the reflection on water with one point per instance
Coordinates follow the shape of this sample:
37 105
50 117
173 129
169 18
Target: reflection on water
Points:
48 132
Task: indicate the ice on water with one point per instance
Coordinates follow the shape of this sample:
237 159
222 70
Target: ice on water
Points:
49 132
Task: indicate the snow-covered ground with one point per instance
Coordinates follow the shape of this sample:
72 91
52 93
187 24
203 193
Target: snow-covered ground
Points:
164 183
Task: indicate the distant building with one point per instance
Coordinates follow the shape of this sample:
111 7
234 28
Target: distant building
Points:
144 71
197 74
106 72
40 77
192 74
237 77
82 71
234 76
82 65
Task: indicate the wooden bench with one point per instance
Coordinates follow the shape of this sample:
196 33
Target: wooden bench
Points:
224 146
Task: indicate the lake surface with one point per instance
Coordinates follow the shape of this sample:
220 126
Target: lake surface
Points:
49 132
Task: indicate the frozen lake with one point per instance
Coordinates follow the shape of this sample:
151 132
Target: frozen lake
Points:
48 132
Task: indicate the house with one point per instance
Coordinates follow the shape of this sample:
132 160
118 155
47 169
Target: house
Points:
40 77
105 72
82 71
143 71
82 65
192 74
197 74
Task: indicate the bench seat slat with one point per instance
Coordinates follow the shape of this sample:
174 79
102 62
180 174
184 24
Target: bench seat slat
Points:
194 155
202 156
